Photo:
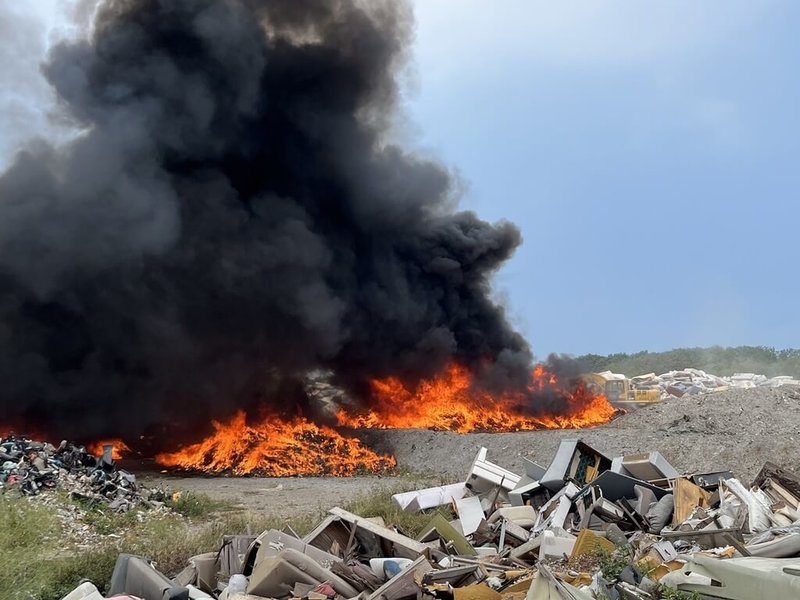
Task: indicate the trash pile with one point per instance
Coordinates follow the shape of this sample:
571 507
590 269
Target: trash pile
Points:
587 526
31 467
689 382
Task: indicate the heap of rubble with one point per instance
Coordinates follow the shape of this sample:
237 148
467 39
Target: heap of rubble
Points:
689 382
585 527
32 467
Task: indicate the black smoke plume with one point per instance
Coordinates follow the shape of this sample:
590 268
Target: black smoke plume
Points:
233 215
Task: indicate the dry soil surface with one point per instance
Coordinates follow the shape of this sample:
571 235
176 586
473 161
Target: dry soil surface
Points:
737 430
283 496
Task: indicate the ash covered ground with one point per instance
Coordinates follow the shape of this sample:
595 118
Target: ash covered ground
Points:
737 429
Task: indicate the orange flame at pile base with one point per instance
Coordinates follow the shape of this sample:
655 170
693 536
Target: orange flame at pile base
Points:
450 402
121 449
277 448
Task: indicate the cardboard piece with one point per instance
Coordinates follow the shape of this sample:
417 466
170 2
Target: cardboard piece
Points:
688 496
588 542
478 591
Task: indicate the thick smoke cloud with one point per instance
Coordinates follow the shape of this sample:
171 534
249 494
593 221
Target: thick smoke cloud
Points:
233 216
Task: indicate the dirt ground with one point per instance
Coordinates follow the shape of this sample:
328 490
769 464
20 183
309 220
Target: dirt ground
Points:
735 430
283 496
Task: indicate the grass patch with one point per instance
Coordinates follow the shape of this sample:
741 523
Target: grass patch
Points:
667 593
33 561
612 563
36 563
196 505
106 522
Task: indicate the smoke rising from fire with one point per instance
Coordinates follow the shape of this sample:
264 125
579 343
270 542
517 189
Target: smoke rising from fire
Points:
233 215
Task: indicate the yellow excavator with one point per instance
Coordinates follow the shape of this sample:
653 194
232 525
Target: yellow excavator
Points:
619 391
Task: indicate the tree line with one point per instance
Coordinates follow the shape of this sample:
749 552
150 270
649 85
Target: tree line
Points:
717 360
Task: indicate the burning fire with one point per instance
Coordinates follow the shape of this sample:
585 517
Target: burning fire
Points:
450 403
121 449
277 448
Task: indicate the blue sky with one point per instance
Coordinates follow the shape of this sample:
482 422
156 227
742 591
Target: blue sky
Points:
647 150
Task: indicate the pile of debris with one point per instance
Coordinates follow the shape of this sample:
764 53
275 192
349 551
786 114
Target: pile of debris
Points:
689 382
585 527
31 467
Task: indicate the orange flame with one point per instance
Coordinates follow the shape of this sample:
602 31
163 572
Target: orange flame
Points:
277 448
450 402
121 449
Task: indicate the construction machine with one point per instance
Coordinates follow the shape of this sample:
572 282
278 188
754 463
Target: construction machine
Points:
619 390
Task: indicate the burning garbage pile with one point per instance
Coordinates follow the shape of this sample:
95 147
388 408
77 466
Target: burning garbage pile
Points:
275 446
280 446
32 467
585 527
451 403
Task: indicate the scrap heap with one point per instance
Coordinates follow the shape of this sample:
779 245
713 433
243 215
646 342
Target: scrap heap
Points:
585 527
691 382
31 467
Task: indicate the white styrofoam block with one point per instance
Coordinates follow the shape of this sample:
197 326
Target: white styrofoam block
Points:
556 545
430 497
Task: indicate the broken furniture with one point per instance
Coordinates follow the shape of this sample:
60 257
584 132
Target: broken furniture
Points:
484 476
574 461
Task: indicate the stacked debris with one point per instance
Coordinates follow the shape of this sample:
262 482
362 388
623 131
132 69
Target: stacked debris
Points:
585 527
690 382
31 467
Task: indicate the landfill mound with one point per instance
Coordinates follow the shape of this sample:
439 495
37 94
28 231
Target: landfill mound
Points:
741 427
587 526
